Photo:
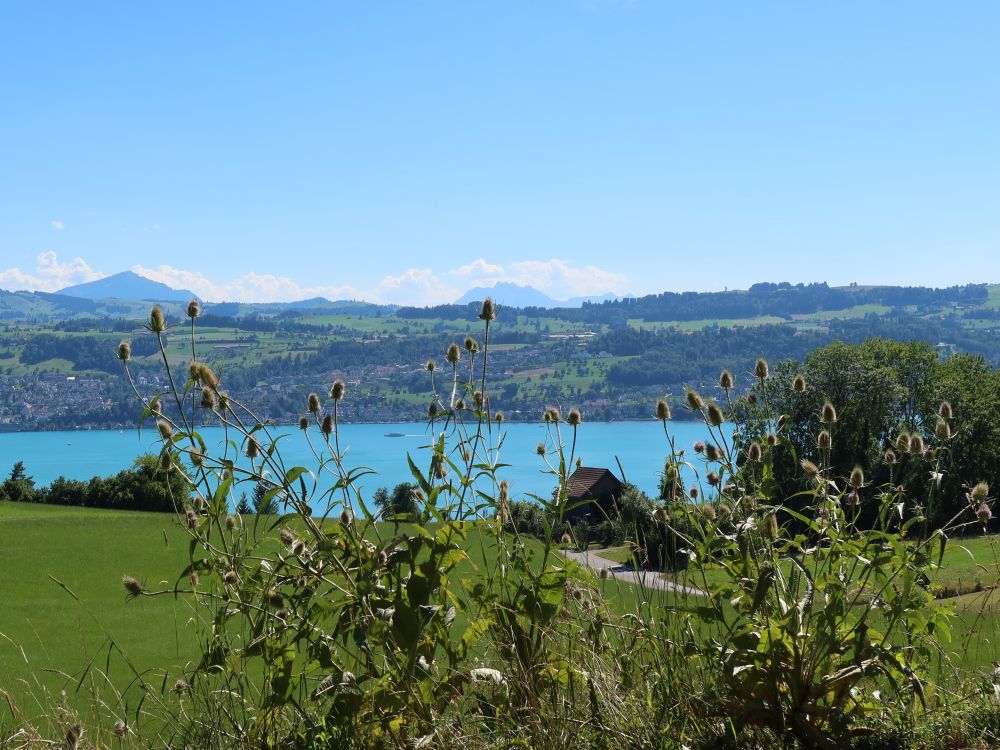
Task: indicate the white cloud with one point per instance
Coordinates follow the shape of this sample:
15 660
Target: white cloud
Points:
49 274
560 279
58 225
250 287
415 286
478 267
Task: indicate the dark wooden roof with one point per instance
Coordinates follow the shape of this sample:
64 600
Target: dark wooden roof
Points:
584 479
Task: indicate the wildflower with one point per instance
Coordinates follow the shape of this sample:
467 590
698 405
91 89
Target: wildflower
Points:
889 456
980 492
477 399
903 442
752 398
488 311
552 414
713 478
223 400
197 458
460 404
853 498
799 384
326 427
699 446
983 513
760 369
337 390
944 410
470 344
125 351
193 309
207 398
754 452
928 454
662 410
809 467
857 478
133 586
709 511
453 354
941 430
303 423
916 444
771 527
431 366
712 452
230 577
604 574
772 439
346 516
715 415
693 399
120 728
314 404
540 449
180 687
694 493
726 380
498 417
566 538
298 547
574 417
829 414
286 536
230 522
192 518
164 428
432 409
157 323
253 447
823 440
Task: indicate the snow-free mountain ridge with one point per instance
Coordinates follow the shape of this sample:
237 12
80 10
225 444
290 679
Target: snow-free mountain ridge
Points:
515 295
128 285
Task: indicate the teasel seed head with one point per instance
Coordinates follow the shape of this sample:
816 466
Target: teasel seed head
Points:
230 577
314 404
73 735
828 415
809 468
772 439
713 478
693 493
275 599
712 452
604 574
916 444
230 522
662 410
431 365
857 478
460 404
799 383
752 398
574 418
699 446
197 458
709 511
133 586
504 491
125 351
192 518
928 454
853 498
157 323
903 442
470 344
120 728
726 380
715 415
154 405
337 390
760 369
941 430
553 415
303 423
498 417
771 527
287 536
223 400
540 449
823 440
164 428
326 426
207 398
346 517
453 354
980 492
889 457
488 311
180 686
253 447
983 513
194 309
754 452
944 410
432 409
694 401
477 399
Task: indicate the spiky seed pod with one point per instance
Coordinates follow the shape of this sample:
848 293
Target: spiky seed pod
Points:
192 518
431 365
771 527
694 401
662 410
889 456
712 452
713 478
165 460
453 354
470 344
488 311
432 409
928 454
699 446
916 444
197 458
903 442
983 513
555 416
944 410
540 449
574 417
287 536
809 468
157 323
980 492
715 415
752 398
208 377
180 687
337 390
460 404
230 522
709 512
303 423
230 577
274 598
504 491
207 398
799 383
125 351
828 415
604 574
346 517
760 369
194 371
857 478
253 447
853 498
223 400
941 430
477 399
823 440
694 493
120 728
326 426
133 586
772 439
726 380
194 309
498 417
754 452
164 428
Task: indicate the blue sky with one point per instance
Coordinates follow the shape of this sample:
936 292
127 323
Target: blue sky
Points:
405 151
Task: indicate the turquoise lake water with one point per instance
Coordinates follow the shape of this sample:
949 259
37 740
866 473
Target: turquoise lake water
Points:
639 446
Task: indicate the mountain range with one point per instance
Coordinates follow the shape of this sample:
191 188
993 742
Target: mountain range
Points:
515 295
127 285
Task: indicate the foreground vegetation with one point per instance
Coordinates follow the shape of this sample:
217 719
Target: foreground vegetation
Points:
809 544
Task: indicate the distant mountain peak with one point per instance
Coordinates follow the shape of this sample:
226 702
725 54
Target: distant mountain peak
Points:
128 285
515 295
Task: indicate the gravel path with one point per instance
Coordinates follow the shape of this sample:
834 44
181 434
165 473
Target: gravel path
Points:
647 578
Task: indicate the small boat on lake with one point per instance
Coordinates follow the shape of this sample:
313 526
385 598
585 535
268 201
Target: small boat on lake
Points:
395 434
